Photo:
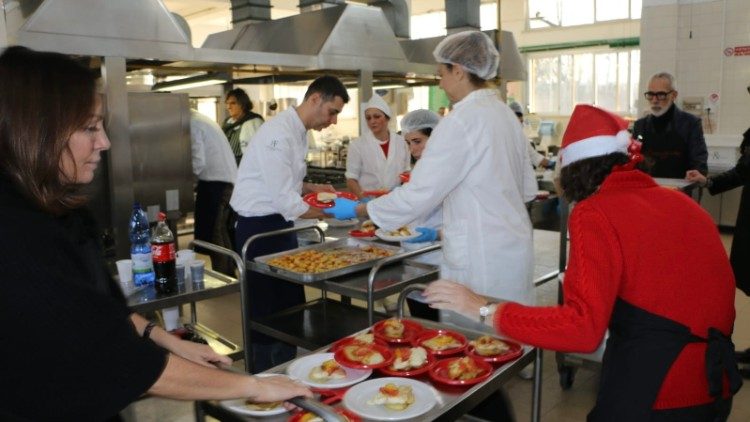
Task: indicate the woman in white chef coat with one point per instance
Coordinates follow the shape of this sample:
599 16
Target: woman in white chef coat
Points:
477 167
375 160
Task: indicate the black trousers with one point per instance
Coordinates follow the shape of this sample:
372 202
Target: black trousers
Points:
210 199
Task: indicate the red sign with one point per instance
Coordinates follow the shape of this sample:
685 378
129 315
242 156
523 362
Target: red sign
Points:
740 50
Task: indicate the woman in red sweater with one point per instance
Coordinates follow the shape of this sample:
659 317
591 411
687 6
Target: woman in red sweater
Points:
647 263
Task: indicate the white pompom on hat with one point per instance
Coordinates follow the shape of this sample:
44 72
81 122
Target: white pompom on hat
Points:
593 132
377 102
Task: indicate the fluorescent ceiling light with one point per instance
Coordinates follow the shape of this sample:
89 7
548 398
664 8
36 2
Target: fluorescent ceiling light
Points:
192 82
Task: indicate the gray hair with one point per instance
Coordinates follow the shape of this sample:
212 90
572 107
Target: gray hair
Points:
665 75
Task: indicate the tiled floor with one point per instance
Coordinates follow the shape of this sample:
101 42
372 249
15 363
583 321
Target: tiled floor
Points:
222 314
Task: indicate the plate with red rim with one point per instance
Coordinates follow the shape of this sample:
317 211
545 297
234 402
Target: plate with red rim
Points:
351 416
411 329
428 334
363 234
351 340
375 193
515 351
415 372
439 372
312 199
405 177
341 358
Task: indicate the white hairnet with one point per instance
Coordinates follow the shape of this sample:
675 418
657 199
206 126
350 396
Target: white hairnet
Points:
419 119
516 107
379 103
473 50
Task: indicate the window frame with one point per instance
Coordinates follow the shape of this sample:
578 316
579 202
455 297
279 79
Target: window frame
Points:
561 25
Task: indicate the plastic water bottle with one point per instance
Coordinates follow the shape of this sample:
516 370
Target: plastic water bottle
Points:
140 248
164 253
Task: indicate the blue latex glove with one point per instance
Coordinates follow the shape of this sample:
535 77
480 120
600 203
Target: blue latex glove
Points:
343 209
426 234
366 199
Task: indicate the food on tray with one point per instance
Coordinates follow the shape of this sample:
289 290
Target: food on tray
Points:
464 368
318 261
326 371
326 197
368 226
489 346
441 342
262 407
393 328
364 338
392 396
401 232
363 354
406 359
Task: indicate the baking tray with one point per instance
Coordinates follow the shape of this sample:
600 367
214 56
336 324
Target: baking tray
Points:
260 263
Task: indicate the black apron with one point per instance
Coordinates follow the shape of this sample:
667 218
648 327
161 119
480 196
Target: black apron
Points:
666 153
640 350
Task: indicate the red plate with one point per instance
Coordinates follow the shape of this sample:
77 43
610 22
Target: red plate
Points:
349 415
383 350
405 177
514 352
312 199
439 372
375 193
411 329
426 335
431 359
349 340
360 233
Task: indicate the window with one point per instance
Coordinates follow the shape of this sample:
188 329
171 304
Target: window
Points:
554 13
608 78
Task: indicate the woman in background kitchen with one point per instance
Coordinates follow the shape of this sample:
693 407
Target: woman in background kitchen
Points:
375 160
242 123
73 349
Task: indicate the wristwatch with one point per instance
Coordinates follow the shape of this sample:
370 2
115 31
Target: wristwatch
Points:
486 311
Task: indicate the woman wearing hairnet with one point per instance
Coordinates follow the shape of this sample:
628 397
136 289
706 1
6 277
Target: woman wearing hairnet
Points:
375 160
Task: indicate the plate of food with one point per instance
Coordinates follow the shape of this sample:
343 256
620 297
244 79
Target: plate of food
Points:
461 371
394 330
249 408
390 399
322 371
364 357
325 199
409 362
311 417
365 231
333 222
441 342
362 339
494 350
398 235
405 177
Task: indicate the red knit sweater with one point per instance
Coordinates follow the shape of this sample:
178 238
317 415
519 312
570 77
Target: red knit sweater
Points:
656 249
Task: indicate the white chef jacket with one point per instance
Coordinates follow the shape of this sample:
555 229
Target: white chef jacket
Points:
271 172
213 160
366 163
477 166
534 156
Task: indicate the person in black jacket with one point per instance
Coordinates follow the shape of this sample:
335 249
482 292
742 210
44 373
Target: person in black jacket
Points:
73 350
740 252
672 139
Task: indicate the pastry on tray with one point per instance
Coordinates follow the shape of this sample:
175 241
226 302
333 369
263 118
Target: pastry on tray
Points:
489 346
363 354
326 197
464 368
441 342
393 328
262 407
326 371
394 397
406 359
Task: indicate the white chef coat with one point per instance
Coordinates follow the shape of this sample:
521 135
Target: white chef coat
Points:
213 160
534 156
271 172
366 163
477 166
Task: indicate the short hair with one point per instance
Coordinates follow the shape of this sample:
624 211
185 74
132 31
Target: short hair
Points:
44 98
665 75
241 96
329 87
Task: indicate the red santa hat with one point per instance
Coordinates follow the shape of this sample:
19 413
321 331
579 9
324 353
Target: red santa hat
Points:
593 132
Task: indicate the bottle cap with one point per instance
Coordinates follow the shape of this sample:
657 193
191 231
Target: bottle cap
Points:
162 216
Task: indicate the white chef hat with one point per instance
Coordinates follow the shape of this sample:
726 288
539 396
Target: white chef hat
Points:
473 50
376 101
419 119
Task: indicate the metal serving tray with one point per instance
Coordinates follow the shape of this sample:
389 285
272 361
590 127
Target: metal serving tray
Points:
260 263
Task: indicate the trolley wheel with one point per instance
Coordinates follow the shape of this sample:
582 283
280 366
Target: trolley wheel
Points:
567 376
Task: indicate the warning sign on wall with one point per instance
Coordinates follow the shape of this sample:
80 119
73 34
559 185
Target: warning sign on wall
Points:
740 50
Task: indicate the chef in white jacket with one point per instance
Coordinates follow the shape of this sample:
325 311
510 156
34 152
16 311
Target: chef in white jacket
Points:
375 160
477 167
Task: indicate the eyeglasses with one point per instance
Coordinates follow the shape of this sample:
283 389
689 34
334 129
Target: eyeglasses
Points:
661 95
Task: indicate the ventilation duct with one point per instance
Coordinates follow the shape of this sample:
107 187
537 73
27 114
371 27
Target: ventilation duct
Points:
246 11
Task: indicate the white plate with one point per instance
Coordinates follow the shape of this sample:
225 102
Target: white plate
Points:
356 399
238 405
383 234
332 222
300 369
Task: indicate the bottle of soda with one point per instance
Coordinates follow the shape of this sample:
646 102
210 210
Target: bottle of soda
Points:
163 250
140 248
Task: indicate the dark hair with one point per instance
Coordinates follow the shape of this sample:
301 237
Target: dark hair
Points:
44 99
582 178
241 96
473 78
329 87
426 131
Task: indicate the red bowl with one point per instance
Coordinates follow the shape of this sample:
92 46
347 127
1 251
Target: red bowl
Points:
349 415
428 334
515 351
341 358
386 370
360 233
405 177
411 329
312 199
439 372
349 340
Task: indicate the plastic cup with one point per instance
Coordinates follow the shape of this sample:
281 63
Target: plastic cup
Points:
125 273
187 254
197 269
180 271
171 318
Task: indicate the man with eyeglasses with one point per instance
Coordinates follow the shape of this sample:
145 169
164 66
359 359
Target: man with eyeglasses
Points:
672 139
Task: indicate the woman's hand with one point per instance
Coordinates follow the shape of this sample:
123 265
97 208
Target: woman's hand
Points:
695 176
278 388
452 296
198 353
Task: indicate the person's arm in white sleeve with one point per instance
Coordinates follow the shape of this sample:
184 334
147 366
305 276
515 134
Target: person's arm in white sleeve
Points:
353 168
275 161
247 131
535 157
198 149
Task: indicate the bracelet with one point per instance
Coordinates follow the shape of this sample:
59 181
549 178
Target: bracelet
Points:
147 331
